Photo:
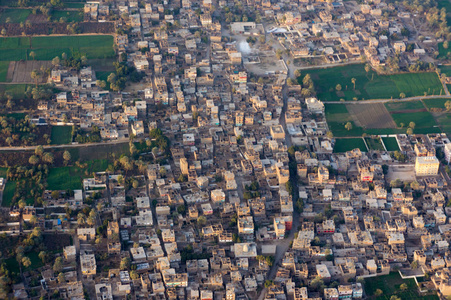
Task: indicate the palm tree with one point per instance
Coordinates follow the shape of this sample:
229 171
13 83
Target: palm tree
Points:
353 80
35 75
32 55
348 126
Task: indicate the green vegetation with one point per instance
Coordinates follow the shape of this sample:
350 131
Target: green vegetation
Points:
46 48
370 85
424 121
68 16
390 143
445 123
61 135
390 285
3 172
435 103
404 105
442 52
374 143
70 178
14 15
74 5
337 113
17 91
4 65
343 145
445 69
8 193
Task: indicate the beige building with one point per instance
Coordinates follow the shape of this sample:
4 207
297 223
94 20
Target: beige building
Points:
426 166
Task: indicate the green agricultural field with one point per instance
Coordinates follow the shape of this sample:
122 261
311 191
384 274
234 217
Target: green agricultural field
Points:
404 105
69 15
46 48
445 122
435 103
424 121
337 113
61 135
8 193
370 85
390 285
74 5
390 143
445 69
442 52
4 65
17 91
70 178
14 15
343 145
3 171
374 144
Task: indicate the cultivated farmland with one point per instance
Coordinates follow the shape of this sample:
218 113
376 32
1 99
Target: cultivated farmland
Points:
371 115
46 48
343 145
371 85
390 143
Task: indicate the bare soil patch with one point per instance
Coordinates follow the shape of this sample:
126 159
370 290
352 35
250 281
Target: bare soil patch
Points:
406 111
371 115
20 71
37 18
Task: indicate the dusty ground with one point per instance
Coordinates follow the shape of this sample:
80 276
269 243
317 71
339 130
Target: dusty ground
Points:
405 173
20 71
371 116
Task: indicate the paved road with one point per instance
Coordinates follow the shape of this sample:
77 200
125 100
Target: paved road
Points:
282 245
28 148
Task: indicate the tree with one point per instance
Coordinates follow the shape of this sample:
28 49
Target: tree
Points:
61 278
9 140
378 292
66 156
111 78
125 263
414 185
353 80
367 68
402 95
201 221
409 131
279 54
403 287
395 298
4 32
412 125
134 275
64 56
348 126
58 265
26 262
101 84
33 160
55 194
338 87
397 183
39 150
297 73
448 105
56 61
35 75
42 256
32 55
48 158
414 264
